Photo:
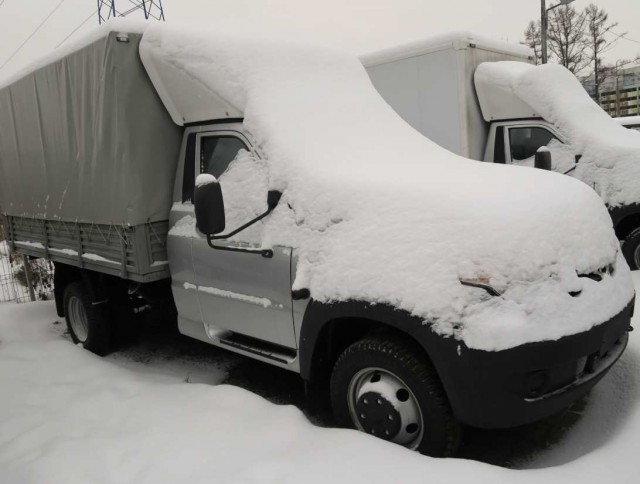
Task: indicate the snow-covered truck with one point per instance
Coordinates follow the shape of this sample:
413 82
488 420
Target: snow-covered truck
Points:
245 180
483 99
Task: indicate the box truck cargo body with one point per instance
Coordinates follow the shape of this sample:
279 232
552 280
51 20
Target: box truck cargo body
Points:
113 158
88 155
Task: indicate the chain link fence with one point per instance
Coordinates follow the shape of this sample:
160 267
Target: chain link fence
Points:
23 280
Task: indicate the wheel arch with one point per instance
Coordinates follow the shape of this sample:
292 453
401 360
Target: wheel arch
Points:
328 329
96 283
625 219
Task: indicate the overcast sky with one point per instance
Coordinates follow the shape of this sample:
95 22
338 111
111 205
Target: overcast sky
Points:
358 25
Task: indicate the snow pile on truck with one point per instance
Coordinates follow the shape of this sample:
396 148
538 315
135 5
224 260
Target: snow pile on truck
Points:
610 154
379 213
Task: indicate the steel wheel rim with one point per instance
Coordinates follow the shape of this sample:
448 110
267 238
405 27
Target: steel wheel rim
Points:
388 383
78 319
636 256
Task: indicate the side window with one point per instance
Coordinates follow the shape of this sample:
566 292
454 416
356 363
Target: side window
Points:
525 141
216 152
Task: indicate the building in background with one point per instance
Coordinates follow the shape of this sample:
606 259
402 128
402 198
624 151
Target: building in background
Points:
619 92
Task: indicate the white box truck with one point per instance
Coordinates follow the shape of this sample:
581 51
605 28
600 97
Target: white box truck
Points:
458 90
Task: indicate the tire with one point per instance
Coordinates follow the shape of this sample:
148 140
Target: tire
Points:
395 394
88 325
631 249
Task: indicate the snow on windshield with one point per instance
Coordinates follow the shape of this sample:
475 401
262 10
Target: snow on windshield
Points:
380 214
610 161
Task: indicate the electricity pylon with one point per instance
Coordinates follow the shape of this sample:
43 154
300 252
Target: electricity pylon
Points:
150 8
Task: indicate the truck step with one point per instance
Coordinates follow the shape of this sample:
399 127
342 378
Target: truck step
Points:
259 347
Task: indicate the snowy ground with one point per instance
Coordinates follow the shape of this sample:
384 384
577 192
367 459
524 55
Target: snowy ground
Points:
159 411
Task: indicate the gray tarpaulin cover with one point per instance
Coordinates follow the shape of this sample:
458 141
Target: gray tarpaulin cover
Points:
87 139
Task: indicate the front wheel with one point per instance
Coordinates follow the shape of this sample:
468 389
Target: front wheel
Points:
384 387
631 249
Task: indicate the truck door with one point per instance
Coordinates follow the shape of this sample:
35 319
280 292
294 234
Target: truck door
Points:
246 294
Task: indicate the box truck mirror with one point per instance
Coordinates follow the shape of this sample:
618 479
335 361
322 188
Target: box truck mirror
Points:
209 205
543 159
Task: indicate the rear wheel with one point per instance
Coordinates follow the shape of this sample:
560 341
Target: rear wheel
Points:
88 324
386 388
631 249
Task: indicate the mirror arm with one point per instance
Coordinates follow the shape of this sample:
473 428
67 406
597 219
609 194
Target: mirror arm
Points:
268 253
241 228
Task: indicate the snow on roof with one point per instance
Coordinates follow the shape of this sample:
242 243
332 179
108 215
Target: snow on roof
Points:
457 40
378 213
496 97
610 160
628 120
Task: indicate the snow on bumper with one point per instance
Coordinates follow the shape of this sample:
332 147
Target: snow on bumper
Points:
548 309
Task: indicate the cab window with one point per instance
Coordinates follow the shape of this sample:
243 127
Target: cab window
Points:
525 141
216 152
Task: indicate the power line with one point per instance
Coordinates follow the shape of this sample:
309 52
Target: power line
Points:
77 28
624 37
32 34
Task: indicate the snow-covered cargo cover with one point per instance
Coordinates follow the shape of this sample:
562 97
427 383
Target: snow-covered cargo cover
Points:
430 84
85 138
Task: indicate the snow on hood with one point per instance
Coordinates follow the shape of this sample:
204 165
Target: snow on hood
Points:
381 214
610 160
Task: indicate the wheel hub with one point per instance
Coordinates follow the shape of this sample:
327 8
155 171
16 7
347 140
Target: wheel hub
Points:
378 416
381 404
78 319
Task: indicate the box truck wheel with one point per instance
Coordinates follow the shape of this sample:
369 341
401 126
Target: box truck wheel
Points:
386 388
631 249
88 324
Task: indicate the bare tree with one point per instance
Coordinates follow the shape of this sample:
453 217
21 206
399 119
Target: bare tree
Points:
533 40
567 38
597 28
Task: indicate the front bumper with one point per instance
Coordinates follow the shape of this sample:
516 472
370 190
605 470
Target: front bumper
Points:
532 381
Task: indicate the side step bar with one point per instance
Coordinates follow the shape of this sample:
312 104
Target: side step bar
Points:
259 347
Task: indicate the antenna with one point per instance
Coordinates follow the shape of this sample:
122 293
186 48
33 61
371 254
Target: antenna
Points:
150 8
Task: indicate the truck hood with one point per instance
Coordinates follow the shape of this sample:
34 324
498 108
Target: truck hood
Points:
378 213
610 161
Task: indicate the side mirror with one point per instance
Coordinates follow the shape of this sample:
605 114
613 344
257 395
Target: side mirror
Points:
209 205
273 198
543 159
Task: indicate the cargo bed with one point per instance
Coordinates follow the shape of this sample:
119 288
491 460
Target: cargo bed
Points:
137 253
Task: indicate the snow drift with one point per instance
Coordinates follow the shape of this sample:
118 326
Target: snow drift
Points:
69 416
610 160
